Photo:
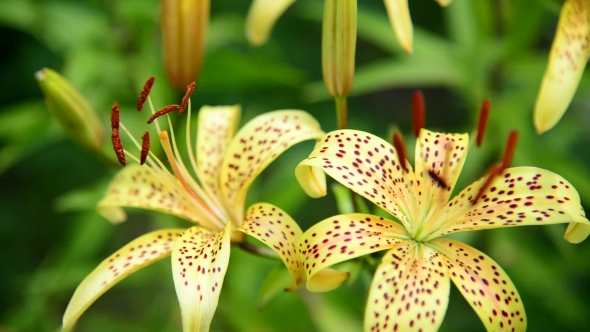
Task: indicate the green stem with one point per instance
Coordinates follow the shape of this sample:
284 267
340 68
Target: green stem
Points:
341 112
259 251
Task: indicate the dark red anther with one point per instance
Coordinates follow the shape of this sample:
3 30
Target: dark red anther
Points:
118 146
418 112
189 91
147 87
510 149
482 123
115 116
145 147
164 110
438 179
495 170
400 146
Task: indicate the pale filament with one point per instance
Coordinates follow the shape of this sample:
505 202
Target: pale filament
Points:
164 176
164 139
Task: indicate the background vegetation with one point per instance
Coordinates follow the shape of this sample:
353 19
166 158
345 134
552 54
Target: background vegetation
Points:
51 236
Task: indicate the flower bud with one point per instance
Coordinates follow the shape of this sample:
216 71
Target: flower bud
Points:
262 17
184 24
338 46
71 109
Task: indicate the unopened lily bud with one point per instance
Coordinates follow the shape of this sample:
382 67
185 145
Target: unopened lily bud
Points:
262 17
569 54
338 45
71 109
184 24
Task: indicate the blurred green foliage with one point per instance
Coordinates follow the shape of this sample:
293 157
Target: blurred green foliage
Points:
51 237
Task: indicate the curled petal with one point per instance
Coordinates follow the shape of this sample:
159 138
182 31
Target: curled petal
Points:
275 228
410 290
262 17
199 264
145 188
255 146
326 280
365 164
399 16
139 253
439 160
345 237
517 197
484 284
217 126
568 57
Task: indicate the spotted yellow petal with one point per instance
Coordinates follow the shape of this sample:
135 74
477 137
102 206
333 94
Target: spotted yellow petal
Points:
364 163
567 60
275 228
262 17
439 160
345 237
255 146
519 196
199 264
145 188
485 286
217 126
409 292
139 253
399 16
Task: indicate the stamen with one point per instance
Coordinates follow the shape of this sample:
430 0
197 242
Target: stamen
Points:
400 146
510 149
145 147
147 87
418 112
439 180
115 116
189 91
482 123
118 146
495 170
164 110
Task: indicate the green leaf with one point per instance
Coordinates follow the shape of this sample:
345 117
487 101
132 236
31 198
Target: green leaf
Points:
275 283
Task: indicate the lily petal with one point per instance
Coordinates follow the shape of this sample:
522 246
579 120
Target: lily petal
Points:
410 290
345 237
217 126
484 284
519 196
399 16
275 228
262 17
364 163
568 57
138 187
255 146
137 254
199 264
326 280
439 160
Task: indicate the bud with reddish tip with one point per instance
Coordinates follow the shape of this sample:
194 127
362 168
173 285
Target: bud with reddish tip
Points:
71 109
184 24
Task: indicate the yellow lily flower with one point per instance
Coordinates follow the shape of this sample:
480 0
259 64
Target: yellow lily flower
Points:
567 60
264 14
225 165
410 289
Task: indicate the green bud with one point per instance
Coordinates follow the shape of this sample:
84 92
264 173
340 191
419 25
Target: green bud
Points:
339 45
71 109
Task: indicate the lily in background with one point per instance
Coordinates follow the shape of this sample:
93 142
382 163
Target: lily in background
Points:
567 60
410 288
225 165
264 14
